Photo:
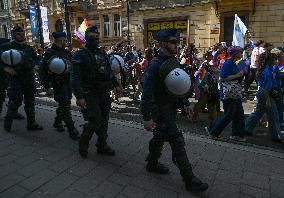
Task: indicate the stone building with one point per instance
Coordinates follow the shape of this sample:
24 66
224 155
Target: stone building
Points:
19 13
205 23
110 17
4 19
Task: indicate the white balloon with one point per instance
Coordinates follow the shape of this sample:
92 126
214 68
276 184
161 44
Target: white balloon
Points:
11 57
57 66
178 82
116 62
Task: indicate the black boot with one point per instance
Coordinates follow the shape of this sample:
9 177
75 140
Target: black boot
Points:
157 168
74 134
59 126
34 127
83 147
106 150
195 185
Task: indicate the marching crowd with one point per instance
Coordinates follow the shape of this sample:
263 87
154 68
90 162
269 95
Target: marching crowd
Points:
162 78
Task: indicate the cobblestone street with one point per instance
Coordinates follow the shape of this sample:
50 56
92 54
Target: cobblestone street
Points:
47 164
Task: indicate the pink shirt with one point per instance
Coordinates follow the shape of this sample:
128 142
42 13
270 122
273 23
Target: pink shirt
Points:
255 56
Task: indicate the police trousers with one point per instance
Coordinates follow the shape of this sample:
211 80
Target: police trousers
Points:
19 91
63 95
167 131
97 115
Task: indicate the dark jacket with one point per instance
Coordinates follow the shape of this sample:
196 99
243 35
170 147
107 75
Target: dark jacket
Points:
25 69
48 78
91 72
155 95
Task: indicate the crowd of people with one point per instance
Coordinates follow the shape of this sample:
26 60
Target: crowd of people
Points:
209 87
223 74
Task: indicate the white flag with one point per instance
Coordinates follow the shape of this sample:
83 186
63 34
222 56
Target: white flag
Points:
239 32
45 30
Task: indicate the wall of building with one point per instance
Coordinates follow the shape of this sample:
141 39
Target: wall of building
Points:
200 16
265 18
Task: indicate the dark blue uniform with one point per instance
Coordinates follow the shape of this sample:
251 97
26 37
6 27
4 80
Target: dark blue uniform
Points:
21 86
160 106
61 86
3 80
92 80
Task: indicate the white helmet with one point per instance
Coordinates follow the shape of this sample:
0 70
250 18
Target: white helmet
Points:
11 57
57 65
178 82
116 62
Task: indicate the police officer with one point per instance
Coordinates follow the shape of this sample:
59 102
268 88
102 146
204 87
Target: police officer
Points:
4 86
59 79
159 113
21 80
92 80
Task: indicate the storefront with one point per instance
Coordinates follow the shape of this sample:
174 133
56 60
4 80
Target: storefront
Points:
155 25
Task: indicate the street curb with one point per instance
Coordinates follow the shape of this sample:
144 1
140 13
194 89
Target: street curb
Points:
135 120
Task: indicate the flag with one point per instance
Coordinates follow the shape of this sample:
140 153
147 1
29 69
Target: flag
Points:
33 22
80 33
239 32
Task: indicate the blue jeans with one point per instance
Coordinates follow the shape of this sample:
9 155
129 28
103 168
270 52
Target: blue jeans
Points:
279 105
233 112
272 116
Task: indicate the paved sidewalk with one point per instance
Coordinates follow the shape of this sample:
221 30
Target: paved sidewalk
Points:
47 164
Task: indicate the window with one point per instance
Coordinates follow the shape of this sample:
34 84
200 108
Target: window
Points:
59 26
227 26
2 4
106 25
5 31
117 26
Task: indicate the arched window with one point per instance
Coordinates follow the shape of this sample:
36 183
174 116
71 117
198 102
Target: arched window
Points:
117 25
59 26
106 25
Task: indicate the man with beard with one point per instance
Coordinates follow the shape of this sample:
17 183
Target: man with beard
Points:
21 80
60 83
159 113
92 80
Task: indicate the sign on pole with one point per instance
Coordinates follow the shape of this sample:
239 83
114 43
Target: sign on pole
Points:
33 22
45 30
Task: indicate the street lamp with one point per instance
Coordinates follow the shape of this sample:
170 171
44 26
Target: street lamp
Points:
128 21
39 24
67 22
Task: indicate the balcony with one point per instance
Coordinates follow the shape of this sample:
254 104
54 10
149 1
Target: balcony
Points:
151 4
81 5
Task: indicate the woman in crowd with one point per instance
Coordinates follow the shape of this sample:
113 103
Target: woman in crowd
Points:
206 89
266 95
233 110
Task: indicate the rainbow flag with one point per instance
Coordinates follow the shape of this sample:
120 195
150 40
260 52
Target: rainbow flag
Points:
80 33
201 75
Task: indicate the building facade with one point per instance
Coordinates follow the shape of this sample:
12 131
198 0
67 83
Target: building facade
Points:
78 9
205 23
110 17
4 19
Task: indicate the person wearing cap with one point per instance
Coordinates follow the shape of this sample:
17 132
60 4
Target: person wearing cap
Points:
92 79
4 86
60 82
21 80
231 78
159 114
